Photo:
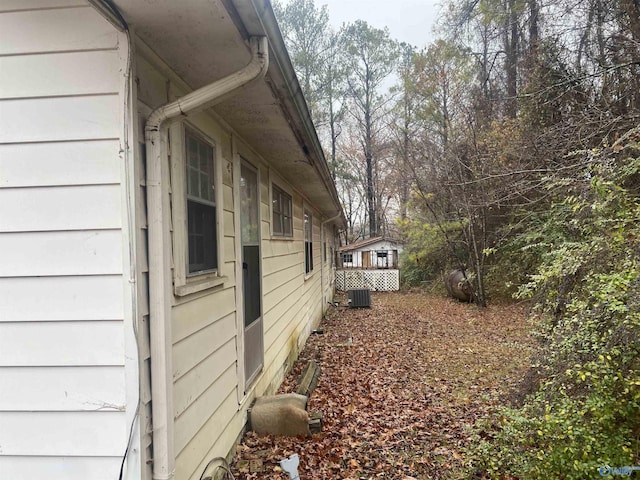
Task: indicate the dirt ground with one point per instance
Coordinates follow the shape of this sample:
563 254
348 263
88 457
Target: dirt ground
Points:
399 401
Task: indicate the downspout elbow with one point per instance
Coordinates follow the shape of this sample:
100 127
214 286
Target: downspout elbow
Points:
215 92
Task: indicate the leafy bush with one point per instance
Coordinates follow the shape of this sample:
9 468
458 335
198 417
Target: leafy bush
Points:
586 411
426 255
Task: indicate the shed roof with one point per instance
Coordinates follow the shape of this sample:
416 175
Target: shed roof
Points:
365 243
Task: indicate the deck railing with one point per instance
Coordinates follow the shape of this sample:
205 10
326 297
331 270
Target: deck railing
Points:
378 280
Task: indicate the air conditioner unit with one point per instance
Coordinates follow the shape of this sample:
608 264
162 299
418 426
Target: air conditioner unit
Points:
359 298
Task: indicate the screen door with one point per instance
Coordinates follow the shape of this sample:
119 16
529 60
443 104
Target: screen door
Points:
251 285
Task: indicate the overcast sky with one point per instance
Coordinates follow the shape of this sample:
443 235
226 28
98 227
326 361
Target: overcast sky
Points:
408 21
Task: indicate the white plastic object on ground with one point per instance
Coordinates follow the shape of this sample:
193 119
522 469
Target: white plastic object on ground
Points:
290 465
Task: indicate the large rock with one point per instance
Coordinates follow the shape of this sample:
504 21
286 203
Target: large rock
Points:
458 286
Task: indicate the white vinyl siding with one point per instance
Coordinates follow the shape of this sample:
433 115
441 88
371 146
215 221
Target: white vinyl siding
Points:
58 164
34 28
61 253
62 388
97 74
61 343
60 208
53 298
63 263
92 434
64 118
60 468
204 344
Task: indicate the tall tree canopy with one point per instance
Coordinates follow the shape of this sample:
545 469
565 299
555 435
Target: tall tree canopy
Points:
372 56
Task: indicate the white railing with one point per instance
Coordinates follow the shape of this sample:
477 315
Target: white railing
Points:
378 280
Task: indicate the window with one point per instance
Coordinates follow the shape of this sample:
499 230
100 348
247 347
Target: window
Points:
201 205
347 257
282 213
308 242
382 258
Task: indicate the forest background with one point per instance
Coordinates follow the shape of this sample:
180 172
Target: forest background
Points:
508 147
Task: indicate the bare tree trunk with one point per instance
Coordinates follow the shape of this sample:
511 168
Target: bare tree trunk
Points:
371 206
632 10
602 54
511 62
478 260
405 144
534 33
484 79
334 137
371 209
404 193
484 101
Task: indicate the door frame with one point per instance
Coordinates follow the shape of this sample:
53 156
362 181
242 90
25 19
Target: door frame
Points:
241 156
250 378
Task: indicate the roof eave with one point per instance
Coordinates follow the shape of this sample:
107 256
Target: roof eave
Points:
257 18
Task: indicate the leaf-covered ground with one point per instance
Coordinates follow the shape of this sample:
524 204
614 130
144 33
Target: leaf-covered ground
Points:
398 403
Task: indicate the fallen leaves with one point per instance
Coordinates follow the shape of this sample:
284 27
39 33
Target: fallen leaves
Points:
400 400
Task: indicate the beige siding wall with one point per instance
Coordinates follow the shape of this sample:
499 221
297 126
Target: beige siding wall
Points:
65 412
203 323
292 300
209 396
204 326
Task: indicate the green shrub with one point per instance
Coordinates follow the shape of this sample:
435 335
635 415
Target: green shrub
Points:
585 414
426 255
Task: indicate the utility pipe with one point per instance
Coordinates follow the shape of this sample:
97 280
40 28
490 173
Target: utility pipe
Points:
160 281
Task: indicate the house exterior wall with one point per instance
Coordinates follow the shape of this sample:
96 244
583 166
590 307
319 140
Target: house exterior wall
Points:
209 396
68 391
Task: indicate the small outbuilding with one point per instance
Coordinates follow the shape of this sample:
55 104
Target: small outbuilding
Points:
370 263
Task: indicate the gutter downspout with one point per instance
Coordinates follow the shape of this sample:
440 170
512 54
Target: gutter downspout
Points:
159 220
322 242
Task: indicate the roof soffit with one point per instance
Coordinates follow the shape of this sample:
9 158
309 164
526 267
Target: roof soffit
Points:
203 41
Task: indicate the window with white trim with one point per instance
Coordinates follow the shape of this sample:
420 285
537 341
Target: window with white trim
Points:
382 258
201 205
282 212
308 242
